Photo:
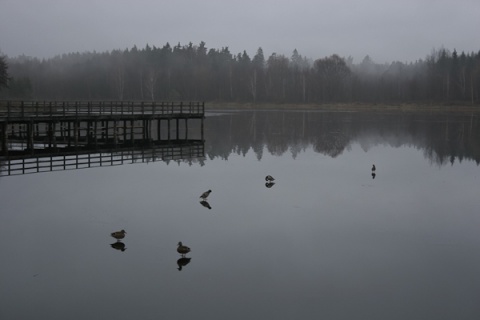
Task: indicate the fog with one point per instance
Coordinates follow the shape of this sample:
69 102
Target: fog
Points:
385 30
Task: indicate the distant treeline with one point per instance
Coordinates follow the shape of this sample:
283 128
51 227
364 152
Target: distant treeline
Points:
193 72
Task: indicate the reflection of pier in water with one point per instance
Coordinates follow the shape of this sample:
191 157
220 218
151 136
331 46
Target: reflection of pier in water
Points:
39 137
100 157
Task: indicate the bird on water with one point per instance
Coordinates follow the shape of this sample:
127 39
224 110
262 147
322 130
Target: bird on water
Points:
183 250
205 194
119 234
269 178
373 168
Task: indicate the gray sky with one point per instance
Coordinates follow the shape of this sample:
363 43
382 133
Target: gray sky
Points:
387 30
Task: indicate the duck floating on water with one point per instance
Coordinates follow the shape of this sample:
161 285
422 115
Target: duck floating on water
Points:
183 250
269 184
269 178
205 195
373 168
119 234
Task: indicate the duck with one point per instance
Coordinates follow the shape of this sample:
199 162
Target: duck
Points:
119 234
373 175
205 194
269 178
373 168
183 250
182 262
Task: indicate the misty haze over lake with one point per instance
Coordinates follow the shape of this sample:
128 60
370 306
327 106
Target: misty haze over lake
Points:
329 239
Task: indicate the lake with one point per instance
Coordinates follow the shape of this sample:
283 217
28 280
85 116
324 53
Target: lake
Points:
328 240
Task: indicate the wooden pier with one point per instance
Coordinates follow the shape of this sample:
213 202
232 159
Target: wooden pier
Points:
31 125
48 129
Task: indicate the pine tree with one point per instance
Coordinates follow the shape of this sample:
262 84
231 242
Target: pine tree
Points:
3 72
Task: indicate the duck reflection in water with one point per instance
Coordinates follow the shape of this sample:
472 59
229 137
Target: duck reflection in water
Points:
182 262
374 175
269 184
119 245
205 204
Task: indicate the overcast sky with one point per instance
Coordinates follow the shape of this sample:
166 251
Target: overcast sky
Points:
387 30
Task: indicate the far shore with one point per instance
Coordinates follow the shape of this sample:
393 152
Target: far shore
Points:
347 107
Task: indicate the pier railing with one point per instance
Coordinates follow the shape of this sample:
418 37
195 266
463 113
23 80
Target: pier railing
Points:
52 109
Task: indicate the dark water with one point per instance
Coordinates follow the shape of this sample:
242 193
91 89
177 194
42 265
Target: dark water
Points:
326 241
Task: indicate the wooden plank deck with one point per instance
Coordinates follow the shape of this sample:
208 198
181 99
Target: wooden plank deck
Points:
18 111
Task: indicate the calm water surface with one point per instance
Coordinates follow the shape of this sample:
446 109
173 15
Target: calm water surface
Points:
326 241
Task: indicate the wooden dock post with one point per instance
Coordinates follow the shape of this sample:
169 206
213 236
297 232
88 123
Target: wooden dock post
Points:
4 138
132 132
168 129
76 132
177 129
30 136
95 133
115 135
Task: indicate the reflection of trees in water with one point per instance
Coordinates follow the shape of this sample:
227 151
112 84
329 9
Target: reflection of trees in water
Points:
443 137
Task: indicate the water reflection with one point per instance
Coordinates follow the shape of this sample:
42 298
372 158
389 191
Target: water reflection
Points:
47 160
371 245
269 184
443 137
119 245
270 181
205 204
182 262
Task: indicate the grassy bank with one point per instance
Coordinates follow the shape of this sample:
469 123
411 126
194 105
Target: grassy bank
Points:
347 107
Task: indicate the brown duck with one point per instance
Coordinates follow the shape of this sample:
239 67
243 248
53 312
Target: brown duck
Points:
119 234
183 250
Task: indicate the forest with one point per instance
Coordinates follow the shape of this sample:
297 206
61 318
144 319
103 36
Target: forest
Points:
194 72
